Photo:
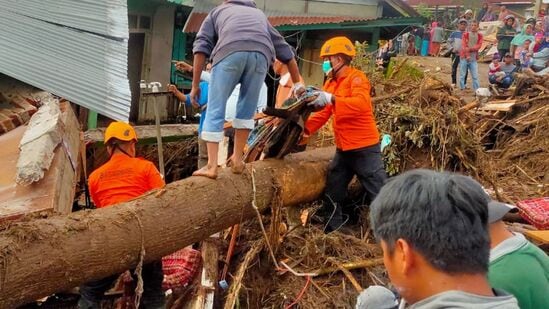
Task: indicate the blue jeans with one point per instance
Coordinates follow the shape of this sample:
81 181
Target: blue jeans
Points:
248 69
504 83
472 66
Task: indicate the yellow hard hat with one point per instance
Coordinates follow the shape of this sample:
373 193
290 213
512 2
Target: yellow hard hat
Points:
120 130
338 45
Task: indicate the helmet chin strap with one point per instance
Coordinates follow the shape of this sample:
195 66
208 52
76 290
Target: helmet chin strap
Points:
117 146
334 71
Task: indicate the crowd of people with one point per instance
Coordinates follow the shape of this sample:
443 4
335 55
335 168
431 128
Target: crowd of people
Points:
520 46
524 50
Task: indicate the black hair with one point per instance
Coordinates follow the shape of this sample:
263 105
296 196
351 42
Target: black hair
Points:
442 215
115 141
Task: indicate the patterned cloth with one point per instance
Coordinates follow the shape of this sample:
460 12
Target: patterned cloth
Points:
180 268
536 212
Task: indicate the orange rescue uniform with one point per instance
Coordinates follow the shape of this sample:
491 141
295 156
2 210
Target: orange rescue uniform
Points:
121 179
354 122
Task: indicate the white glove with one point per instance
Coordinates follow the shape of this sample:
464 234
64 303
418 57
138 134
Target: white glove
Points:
298 89
324 98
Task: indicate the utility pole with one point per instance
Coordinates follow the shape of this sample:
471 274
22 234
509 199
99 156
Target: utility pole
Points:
537 7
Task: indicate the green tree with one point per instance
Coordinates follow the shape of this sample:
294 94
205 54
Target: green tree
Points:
424 10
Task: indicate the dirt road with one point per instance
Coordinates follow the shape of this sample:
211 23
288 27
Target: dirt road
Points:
442 68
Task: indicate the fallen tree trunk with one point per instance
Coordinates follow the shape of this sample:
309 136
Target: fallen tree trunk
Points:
43 256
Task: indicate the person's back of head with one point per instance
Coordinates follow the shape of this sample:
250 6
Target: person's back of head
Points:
437 219
120 137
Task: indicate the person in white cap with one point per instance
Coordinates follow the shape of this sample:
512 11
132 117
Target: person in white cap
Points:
516 265
468 16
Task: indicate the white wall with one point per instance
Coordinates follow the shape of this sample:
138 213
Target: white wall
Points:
162 44
158 59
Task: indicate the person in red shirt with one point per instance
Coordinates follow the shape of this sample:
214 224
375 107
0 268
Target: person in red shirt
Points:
122 178
346 96
471 42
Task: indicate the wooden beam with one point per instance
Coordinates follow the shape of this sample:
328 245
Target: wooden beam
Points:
147 134
204 298
503 107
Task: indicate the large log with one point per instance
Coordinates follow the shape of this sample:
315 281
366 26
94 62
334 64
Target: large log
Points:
44 256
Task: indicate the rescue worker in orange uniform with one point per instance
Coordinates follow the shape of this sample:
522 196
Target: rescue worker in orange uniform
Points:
121 179
346 96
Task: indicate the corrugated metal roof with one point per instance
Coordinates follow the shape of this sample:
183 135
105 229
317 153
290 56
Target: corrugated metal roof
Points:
86 68
101 17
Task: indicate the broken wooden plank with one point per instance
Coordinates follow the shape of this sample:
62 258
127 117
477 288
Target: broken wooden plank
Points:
69 171
502 107
55 192
147 134
501 101
204 298
469 106
37 147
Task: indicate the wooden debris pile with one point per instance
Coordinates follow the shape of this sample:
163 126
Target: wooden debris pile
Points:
180 158
515 134
314 269
426 128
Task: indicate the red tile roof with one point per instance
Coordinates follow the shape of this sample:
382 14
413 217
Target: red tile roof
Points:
196 18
